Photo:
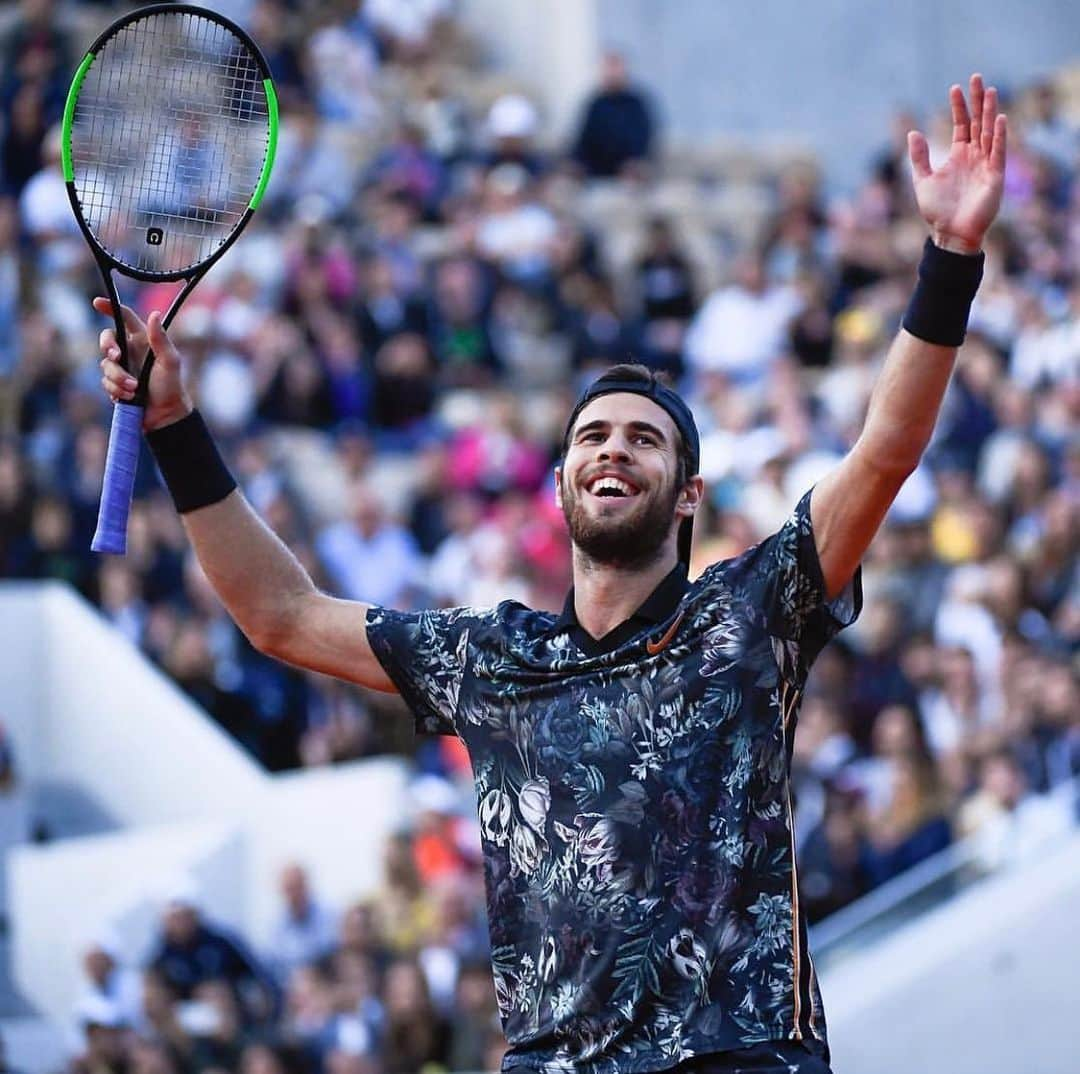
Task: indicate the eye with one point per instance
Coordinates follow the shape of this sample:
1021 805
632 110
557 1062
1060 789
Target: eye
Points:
644 438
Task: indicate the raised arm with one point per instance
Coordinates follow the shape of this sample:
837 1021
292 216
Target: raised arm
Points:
262 584
959 202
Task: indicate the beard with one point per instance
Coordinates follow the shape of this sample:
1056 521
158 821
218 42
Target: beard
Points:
633 540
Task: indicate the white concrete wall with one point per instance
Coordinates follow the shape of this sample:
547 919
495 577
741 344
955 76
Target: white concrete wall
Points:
984 985
109 718
551 46
84 706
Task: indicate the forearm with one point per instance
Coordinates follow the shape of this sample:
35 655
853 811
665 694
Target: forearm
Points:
905 404
907 398
255 575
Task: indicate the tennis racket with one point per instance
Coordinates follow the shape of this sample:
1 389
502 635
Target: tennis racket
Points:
168 139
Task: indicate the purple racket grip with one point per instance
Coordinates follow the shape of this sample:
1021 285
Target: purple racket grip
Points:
120 464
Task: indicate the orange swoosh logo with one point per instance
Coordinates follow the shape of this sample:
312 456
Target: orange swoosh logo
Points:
653 647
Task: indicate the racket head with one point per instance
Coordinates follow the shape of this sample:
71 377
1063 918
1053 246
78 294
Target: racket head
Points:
168 140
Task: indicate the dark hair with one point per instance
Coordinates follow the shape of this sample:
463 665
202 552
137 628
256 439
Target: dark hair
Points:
634 371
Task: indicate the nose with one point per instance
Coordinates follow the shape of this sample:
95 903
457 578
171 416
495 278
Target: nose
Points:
614 449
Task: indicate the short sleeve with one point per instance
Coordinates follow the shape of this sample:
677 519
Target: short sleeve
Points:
783 579
425 655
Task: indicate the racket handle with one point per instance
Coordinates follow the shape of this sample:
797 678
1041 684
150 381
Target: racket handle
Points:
119 483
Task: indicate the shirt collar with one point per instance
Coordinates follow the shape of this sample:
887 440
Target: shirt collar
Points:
657 606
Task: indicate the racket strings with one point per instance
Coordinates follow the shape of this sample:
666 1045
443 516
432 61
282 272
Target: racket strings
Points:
169 137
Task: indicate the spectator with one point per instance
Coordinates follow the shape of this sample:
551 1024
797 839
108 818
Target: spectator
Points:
367 556
306 930
1009 822
912 826
109 981
191 954
743 328
512 126
668 296
476 1018
383 311
617 130
459 326
515 231
415 1033
832 863
404 909
408 29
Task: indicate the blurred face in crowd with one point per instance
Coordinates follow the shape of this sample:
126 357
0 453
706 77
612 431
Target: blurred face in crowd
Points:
618 484
750 273
405 990
181 923
367 510
294 888
52 524
1003 780
98 965
358 928
613 73
260 1059
894 732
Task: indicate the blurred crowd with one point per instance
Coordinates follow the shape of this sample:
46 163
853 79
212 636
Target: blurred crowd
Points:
388 356
397 983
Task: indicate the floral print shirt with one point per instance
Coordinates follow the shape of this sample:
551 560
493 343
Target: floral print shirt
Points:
634 809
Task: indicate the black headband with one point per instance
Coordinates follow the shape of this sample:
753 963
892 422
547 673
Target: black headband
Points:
661 395
677 410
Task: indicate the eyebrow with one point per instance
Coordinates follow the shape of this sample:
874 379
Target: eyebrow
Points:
635 426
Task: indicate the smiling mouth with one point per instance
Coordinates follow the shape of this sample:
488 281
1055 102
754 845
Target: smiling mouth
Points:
613 488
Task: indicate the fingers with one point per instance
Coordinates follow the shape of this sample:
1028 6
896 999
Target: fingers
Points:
132 322
989 117
160 343
919 153
118 383
997 149
977 93
960 118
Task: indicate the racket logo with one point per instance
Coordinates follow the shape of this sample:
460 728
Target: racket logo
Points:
154 236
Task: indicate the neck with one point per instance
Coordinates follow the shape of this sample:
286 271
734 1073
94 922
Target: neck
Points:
606 595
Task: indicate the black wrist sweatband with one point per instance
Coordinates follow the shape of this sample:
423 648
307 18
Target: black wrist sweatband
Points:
194 472
939 308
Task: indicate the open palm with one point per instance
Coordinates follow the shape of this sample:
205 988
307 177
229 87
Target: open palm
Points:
960 200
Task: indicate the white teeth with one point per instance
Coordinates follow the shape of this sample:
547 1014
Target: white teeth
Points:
611 483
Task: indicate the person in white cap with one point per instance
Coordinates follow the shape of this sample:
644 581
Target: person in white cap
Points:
512 126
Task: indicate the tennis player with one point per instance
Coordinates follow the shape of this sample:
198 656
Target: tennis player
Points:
631 754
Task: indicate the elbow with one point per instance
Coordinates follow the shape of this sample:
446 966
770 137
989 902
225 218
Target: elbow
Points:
892 463
270 633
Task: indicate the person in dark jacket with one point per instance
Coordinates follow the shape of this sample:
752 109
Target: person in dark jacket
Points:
617 128
190 953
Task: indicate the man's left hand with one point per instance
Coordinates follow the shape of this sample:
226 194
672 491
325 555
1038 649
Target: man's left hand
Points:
960 200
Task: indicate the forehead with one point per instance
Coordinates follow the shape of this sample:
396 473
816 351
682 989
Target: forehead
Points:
627 408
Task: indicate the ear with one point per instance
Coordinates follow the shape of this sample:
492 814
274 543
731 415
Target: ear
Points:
558 487
693 492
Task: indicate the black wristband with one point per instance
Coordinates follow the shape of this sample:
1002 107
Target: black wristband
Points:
194 471
939 308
